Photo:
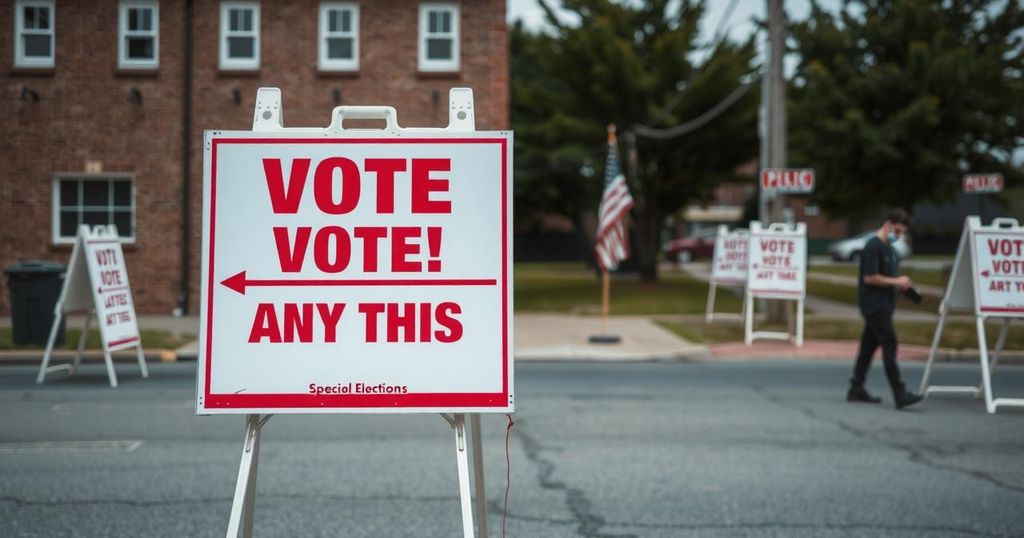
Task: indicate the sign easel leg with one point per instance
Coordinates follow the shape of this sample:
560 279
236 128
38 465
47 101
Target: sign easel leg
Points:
58 315
710 311
81 343
748 325
243 505
1000 342
110 369
462 459
800 323
478 476
986 376
142 361
923 390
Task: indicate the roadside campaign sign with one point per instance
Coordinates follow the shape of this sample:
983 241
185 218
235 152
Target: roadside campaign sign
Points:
778 261
729 265
787 180
983 183
356 273
97 265
998 255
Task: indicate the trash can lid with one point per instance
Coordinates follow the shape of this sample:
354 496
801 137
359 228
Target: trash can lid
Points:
37 267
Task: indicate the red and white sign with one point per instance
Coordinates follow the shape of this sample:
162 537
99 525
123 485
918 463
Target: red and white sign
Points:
998 256
787 180
778 261
729 264
112 295
356 273
983 183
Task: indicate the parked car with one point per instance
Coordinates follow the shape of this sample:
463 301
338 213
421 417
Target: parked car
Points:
849 249
695 246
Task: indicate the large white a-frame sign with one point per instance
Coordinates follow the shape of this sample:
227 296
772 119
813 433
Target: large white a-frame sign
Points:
988 278
351 270
728 268
97 284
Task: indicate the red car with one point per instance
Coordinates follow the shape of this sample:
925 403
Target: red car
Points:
695 246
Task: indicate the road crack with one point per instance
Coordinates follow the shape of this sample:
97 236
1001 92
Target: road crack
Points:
914 454
588 522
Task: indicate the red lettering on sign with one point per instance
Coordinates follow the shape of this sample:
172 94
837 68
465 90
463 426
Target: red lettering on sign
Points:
370 311
291 255
1006 247
444 318
324 186
327 237
400 248
385 169
264 325
423 185
406 321
371 236
281 200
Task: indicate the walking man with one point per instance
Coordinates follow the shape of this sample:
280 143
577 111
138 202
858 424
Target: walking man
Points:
877 283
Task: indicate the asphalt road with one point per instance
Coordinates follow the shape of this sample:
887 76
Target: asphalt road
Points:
643 449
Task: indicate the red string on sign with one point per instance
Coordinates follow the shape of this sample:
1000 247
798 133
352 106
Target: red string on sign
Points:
508 473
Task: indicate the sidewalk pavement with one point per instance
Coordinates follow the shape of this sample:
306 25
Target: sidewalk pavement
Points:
562 337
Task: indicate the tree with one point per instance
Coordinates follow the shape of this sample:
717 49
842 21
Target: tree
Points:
629 63
893 101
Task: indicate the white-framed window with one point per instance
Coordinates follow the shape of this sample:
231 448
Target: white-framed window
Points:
240 35
439 37
138 34
92 200
339 36
33 33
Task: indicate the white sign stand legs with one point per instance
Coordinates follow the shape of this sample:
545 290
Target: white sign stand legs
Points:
243 504
45 368
983 279
749 334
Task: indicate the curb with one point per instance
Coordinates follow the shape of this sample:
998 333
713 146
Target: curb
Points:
33 357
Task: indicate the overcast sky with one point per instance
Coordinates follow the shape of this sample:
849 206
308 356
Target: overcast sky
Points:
739 24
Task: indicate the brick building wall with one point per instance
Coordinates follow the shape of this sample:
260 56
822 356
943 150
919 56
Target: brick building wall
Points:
86 119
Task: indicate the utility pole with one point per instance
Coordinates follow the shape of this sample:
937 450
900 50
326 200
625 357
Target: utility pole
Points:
775 113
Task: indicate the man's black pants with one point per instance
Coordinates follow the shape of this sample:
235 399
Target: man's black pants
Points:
878 331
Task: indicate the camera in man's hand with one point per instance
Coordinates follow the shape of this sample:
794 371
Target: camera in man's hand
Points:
911 293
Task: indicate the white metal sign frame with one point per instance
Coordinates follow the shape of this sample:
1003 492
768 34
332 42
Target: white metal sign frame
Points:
728 268
268 121
765 280
97 284
988 278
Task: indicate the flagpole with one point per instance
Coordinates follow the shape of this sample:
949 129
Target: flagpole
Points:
606 282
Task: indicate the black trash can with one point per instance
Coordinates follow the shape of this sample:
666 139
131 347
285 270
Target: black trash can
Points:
35 288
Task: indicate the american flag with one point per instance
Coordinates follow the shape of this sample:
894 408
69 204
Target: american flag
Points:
612 244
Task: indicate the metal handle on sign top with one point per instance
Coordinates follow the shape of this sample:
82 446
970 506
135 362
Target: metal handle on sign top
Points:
357 112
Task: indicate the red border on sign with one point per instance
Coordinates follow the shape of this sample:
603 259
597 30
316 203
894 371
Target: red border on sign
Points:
977 279
356 401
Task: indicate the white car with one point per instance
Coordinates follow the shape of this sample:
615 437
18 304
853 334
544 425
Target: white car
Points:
849 249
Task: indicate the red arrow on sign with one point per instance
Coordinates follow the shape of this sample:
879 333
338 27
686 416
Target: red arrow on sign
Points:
239 282
984 274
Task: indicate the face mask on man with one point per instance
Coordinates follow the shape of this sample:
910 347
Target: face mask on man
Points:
891 237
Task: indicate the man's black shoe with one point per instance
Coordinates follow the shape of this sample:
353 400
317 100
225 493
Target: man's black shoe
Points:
860 394
903 399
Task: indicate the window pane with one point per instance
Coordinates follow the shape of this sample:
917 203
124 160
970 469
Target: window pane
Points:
43 18
339 48
123 221
432 23
233 19
346 21
332 20
140 48
95 193
93 218
123 193
68 225
68 193
240 47
247 20
37 45
29 15
446 21
147 19
439 49
133 19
